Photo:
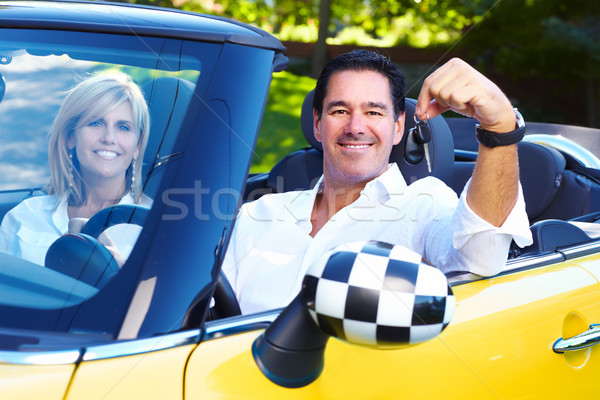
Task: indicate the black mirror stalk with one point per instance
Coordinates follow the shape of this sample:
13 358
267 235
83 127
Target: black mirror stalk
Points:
291 351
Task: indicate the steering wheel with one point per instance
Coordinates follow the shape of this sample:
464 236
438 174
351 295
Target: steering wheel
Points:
82 256
226 303
114 215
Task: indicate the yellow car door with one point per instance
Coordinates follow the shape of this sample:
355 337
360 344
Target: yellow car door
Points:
499 345
43 382
148 369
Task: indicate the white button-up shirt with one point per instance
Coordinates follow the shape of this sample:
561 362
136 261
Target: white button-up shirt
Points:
271 248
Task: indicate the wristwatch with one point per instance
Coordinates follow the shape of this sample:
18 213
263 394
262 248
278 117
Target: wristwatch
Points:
493 139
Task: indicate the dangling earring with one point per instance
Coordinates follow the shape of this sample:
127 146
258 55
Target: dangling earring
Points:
133 179
72 167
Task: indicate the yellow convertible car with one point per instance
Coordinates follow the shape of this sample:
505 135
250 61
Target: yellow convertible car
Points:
75 324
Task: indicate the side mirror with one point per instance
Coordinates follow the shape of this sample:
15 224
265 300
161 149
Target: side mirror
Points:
366 293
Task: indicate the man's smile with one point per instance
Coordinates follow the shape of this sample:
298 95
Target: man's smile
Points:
356 146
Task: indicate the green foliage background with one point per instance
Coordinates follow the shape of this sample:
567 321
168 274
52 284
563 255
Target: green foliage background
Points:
362 22
548 48
545 53
280 132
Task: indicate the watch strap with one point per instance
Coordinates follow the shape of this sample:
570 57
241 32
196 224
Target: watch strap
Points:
494 139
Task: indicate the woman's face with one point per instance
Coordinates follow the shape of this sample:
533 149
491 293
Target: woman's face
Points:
106 146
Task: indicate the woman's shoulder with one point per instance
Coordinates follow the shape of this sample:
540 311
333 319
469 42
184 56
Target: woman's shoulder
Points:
30 212
46 203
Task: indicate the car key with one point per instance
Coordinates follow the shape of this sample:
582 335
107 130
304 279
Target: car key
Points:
421 134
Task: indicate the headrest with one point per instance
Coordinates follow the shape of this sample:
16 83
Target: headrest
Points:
307 121
168 99
542 169
441 146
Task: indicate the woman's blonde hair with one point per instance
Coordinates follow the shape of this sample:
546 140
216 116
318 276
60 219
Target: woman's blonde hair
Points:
92 98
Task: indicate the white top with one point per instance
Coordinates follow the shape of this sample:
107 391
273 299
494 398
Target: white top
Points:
271 248
28 230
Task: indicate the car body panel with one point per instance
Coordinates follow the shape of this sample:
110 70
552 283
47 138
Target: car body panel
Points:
502 331
101 17
43 382
592 265
153 375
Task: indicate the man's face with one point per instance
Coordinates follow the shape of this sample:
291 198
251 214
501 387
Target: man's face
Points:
357 127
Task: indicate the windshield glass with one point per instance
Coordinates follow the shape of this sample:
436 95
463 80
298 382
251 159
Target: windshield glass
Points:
87 121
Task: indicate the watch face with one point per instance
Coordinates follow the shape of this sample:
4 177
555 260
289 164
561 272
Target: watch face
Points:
520 120
493 139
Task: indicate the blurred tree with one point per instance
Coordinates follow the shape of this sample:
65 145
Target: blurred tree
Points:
527 40
375 19
418 23
320 56
548 41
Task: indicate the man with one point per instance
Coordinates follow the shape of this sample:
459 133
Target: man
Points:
358 117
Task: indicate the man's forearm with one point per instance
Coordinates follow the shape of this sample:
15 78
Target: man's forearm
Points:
494 186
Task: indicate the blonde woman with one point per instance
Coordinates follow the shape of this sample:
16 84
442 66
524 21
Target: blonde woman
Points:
97 142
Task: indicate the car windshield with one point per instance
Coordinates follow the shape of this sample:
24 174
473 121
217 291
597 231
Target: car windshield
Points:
37 70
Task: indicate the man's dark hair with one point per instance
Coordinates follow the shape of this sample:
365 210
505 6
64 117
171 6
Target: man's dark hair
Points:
362 60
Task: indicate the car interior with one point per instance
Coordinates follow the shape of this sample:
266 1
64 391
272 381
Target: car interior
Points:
562 196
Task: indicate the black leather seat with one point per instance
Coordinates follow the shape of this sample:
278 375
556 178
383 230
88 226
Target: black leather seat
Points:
301 170
542 170
552 189
168 99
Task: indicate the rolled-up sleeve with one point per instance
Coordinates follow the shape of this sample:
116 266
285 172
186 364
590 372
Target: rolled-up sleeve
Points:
478 246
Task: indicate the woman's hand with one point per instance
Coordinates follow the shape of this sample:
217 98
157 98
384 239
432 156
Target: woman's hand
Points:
75 226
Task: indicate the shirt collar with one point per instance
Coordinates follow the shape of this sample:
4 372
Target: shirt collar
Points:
386 184
380 188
